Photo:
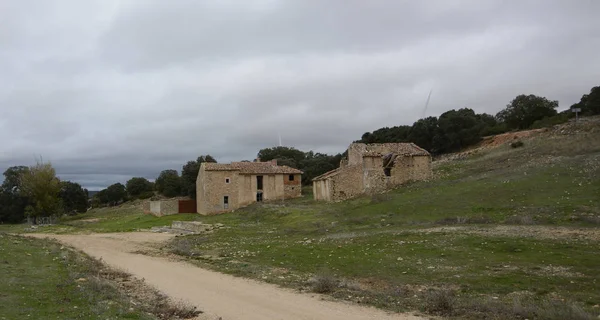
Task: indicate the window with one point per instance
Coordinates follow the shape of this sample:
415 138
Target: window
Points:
226 202
291 177
226 180
259 182
387 171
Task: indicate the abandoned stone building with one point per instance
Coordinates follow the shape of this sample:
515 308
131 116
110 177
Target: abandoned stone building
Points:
372 168
225 187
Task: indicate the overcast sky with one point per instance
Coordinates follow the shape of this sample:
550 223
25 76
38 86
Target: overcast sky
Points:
109 89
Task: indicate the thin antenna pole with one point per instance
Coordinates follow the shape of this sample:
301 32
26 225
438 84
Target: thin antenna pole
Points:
427 103
279 133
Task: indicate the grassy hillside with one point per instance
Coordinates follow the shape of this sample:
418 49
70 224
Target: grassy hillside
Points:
499 233
509 231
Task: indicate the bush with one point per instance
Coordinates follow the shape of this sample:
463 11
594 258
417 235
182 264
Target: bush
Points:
551 121
440 301
324 282
516 144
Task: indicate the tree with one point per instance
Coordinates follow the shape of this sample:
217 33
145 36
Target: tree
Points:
387 135
456 130
285 156
524 110
589 103
42 187
139 187
168 183
12 201
73 196
116 193
189 173
315 164
423 131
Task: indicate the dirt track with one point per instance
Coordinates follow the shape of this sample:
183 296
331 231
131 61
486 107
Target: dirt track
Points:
218 295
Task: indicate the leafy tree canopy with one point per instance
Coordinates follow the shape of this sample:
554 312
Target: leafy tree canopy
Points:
41 186
168 183
73 196
138 186
189 173
524 110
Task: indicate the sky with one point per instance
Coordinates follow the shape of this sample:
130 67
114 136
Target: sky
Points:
107 89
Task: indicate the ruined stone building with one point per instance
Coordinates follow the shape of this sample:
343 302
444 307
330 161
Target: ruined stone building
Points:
225 187
372 168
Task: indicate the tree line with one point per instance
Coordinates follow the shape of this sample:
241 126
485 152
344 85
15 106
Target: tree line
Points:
456 129
168 183
36 192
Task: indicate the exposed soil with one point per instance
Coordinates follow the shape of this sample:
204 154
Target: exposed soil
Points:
219 296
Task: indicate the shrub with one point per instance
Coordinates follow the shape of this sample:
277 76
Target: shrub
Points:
440 301
516 144
324 282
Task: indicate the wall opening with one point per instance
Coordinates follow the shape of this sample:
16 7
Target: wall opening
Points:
259 182
387 172
259 197
225 202
291 177
227 180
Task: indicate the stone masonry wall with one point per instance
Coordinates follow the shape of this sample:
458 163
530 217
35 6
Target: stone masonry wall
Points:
347 184
215 188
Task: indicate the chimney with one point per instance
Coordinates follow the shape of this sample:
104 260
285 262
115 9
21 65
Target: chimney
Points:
274 162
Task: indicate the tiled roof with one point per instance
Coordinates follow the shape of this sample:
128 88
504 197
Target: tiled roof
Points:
327 174
407 149
251 168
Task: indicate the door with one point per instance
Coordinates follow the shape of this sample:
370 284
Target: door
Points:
226 202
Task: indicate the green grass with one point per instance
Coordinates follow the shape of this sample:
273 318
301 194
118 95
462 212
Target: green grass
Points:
389 251
383 251
40 281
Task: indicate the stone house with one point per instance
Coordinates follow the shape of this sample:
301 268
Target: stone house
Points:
372 168
225 187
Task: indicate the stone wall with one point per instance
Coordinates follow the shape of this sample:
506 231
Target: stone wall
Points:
163 207
292 188
367 176
213 187
346 184
242 189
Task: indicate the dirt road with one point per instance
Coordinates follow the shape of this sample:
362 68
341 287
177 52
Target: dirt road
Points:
218 295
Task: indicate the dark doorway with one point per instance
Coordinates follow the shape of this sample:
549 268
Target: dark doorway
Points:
259 182
259 197
226 202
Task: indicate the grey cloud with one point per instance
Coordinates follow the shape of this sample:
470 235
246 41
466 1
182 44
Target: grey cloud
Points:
107 90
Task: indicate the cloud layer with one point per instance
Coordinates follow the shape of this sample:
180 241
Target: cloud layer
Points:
111 89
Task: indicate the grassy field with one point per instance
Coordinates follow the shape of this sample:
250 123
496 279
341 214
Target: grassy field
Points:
42 279
507 233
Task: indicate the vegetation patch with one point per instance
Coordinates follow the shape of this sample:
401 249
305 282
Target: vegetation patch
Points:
44 280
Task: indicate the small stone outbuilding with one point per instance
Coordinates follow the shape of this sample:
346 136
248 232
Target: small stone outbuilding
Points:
225 187
372 168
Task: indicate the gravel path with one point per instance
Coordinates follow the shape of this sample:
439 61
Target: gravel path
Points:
220 296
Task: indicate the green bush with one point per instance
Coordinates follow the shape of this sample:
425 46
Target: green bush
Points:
551 121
